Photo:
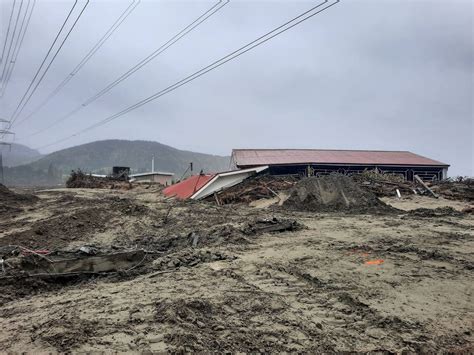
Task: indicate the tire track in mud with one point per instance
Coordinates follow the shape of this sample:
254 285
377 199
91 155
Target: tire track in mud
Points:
245 318
326 310
303 310
401 249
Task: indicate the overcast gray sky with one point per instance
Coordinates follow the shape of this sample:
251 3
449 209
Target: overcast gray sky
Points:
365 74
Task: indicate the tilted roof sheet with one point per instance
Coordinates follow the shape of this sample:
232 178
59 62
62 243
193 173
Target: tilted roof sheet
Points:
254 157
186 188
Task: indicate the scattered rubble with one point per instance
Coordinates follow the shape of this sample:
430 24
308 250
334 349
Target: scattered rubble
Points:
383 184
218 235
63 264
273 225
189 258
378 183
254 188
460 188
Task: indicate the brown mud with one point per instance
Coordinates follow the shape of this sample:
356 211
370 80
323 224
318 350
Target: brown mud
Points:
234 278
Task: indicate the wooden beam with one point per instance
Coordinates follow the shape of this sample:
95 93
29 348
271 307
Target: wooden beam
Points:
418 179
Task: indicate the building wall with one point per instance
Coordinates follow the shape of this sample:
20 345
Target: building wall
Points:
408 172
161 179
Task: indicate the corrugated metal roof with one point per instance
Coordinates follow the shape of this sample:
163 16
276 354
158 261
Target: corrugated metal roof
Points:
186 188
255 157
225 180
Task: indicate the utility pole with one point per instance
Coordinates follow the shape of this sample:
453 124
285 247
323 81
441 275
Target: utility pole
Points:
1 169
153 164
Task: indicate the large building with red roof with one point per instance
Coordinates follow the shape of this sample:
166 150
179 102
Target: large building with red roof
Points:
322 161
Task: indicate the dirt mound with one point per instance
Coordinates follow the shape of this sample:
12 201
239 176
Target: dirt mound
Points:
58 232
435 212
14 288
330 193
461 189
10 202
8 196
127 207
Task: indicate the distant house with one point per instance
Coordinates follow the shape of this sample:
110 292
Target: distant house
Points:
321 161
156 176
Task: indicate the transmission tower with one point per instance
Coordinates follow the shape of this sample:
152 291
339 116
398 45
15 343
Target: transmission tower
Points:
3 132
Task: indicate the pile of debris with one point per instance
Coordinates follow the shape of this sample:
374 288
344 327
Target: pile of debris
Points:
189 258
460 188
255 188
273 225
78 179
334 192
383 184
20 261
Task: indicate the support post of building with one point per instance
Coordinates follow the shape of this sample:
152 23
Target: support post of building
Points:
444 174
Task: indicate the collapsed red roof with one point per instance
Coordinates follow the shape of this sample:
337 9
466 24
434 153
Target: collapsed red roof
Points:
186 188
256 157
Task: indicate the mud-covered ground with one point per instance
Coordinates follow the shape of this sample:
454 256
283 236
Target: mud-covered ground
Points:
392 281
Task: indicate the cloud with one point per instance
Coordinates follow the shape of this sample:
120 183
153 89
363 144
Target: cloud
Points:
363 75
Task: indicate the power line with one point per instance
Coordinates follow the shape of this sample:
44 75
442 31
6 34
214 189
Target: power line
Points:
19 43
123 16
218 6
8 32
18 110
44 59
242 50
160 50
12 40
51 62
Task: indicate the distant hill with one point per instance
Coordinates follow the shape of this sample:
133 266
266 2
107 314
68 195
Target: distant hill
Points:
101 156
18 154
